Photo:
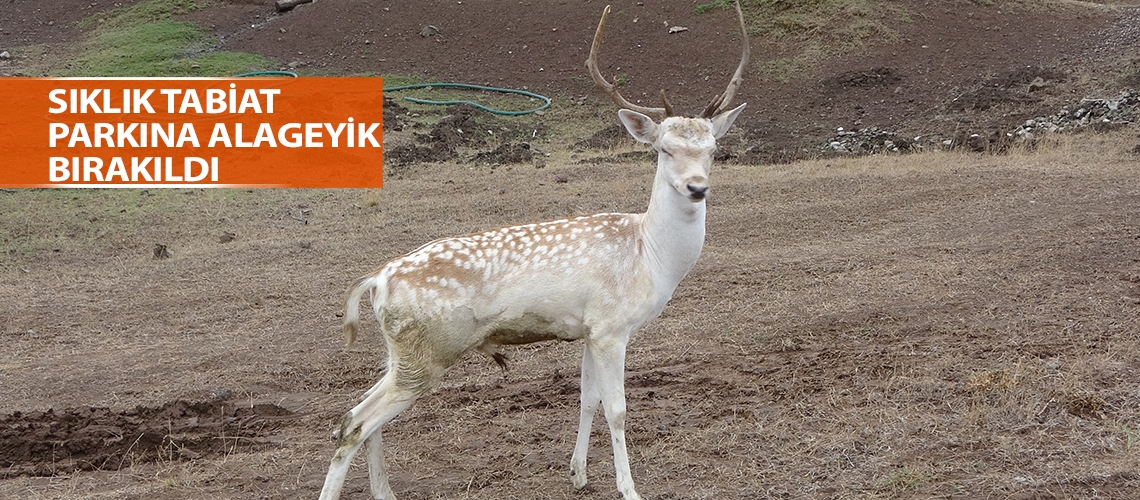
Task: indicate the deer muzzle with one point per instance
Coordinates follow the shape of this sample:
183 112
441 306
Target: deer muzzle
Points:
697 190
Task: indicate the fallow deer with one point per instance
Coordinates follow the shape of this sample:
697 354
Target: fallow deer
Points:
596 278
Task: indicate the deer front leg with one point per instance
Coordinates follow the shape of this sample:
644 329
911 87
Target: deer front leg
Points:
590 399
609 368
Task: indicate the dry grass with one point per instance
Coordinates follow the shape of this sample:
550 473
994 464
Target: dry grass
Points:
928 326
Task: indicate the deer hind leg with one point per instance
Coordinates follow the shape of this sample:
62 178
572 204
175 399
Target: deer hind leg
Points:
377 472
590 399
413 369
361 424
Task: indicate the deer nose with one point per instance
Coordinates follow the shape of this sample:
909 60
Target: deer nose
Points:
697 192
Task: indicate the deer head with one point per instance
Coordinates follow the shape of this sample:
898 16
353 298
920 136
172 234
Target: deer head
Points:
685 146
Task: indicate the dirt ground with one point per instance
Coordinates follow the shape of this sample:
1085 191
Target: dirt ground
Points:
950 324
954 68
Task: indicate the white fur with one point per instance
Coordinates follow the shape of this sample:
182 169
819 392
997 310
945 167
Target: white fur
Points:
596 279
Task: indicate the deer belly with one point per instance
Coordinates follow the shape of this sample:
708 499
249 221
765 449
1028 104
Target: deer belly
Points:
532 327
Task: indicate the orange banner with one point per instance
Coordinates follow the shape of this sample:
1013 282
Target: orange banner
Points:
192 132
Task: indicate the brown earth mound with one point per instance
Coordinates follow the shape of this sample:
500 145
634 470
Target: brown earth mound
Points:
50 443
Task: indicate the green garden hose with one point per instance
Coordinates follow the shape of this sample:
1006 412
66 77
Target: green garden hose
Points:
268 73
546 100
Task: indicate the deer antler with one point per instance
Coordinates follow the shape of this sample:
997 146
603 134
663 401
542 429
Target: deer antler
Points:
657 114
720 102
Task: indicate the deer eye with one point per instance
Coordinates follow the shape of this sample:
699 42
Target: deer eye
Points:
663 150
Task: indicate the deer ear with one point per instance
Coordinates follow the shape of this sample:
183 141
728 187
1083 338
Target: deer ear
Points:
722 122
641 127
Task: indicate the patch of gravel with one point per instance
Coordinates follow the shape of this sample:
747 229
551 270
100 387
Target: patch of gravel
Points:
1086 114
1122 35
869 140
1096 113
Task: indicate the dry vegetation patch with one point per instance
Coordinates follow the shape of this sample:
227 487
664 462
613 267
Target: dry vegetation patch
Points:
934 325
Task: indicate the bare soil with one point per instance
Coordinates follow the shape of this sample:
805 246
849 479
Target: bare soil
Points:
950 324
90 438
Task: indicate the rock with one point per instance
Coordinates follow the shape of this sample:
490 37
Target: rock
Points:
1095 114
977 143
1089 112
870 140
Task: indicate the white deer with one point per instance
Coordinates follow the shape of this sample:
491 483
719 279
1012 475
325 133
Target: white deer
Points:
596 278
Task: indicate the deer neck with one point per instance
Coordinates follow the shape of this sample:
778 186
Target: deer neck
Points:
673 232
